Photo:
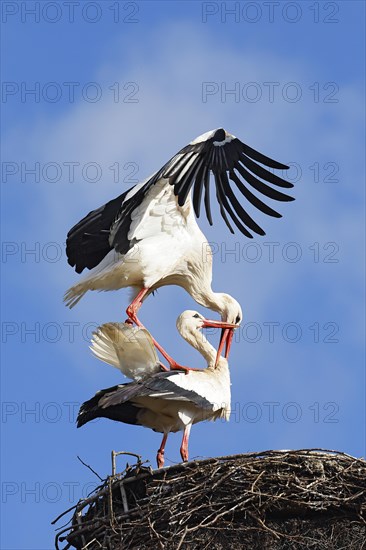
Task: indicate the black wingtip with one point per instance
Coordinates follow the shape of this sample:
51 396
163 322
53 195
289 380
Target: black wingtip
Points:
219 135
80 421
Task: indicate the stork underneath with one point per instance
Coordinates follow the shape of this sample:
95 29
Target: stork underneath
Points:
148 236
170 401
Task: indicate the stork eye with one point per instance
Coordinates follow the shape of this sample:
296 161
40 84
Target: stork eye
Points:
196 316
237 320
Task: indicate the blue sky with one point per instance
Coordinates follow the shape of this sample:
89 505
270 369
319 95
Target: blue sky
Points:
114 99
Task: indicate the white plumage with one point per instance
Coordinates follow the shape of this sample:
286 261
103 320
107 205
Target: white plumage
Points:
148 237
127 348
166 401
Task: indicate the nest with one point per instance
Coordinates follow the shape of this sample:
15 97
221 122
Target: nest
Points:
307 499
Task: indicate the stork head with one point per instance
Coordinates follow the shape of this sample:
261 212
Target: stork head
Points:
228 308
190 321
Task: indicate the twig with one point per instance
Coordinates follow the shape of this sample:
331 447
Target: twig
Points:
182 538
90 468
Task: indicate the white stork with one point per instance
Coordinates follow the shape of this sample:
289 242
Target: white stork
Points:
165 401
148 237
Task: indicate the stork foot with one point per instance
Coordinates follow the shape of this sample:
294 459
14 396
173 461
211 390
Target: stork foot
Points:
131 312
184 446
163 367
184 455
132 317
135 305
175 366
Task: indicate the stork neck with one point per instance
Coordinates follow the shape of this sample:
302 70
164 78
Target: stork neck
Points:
207 298
198 340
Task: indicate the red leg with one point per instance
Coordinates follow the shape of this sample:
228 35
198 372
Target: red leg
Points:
161 450
136 304
132 314
184 446
173 364
176 366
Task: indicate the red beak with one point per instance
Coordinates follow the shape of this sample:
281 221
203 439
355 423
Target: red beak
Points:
227 335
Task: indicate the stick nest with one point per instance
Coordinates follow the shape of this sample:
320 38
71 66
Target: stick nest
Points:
307 499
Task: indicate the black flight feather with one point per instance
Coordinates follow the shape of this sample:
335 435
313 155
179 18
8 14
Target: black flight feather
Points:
220 154
252 198
264 174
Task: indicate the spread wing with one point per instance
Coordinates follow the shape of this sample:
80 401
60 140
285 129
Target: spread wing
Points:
233 164
241 178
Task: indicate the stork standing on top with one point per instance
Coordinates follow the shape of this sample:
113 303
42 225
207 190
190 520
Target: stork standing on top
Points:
148 237
163 401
